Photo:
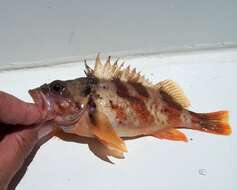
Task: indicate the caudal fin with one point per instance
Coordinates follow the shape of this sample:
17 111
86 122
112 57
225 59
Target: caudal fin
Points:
215 122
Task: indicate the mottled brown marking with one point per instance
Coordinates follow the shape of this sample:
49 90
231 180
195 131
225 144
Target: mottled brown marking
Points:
92 110
140 89
120 114
122 90
169 100
86 91
172 114
142 112
136 103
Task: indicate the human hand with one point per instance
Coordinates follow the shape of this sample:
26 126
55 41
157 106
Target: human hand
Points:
17 145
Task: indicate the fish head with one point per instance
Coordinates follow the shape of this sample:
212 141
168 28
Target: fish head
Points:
61 101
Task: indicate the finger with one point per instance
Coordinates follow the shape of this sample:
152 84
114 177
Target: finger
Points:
15 111
15 148
13 151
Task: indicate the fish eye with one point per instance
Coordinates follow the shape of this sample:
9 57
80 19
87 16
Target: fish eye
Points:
57 86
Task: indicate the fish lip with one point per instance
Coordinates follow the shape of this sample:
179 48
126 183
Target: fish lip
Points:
37 97
42 102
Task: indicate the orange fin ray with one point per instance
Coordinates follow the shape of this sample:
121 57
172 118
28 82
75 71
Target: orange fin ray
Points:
170 134
115 152
215 122
102 129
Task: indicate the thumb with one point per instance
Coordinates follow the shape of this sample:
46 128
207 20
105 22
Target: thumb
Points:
14 149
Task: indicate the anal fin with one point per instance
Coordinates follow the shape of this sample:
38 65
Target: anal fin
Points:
170 134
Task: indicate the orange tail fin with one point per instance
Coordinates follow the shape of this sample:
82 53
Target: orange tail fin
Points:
215 122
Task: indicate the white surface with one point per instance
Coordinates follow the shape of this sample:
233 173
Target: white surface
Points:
36 30
209 80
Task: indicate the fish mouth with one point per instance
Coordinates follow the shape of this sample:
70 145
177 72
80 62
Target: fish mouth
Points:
45 103
41 101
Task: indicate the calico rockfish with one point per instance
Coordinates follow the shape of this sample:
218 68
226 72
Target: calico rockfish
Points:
113 102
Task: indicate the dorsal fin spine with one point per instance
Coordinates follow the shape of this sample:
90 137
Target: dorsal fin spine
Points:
110 71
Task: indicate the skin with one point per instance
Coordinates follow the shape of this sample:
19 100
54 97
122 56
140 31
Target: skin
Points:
17 145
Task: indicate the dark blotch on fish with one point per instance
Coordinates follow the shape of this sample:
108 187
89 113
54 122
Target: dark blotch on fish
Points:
140 89
92 110
137 104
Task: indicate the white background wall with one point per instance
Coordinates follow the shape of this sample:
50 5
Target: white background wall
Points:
36 30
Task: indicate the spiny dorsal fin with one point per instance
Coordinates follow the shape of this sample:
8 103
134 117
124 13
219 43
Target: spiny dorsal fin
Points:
110 71
88 70
175 91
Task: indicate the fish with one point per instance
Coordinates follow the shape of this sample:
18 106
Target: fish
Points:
113 102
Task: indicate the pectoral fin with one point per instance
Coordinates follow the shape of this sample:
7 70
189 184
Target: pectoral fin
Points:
102 129
170 134
115 153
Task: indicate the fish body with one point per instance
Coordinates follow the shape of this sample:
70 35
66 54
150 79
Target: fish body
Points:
130 111
111 103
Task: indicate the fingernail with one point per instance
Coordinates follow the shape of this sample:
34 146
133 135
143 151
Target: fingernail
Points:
44 130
